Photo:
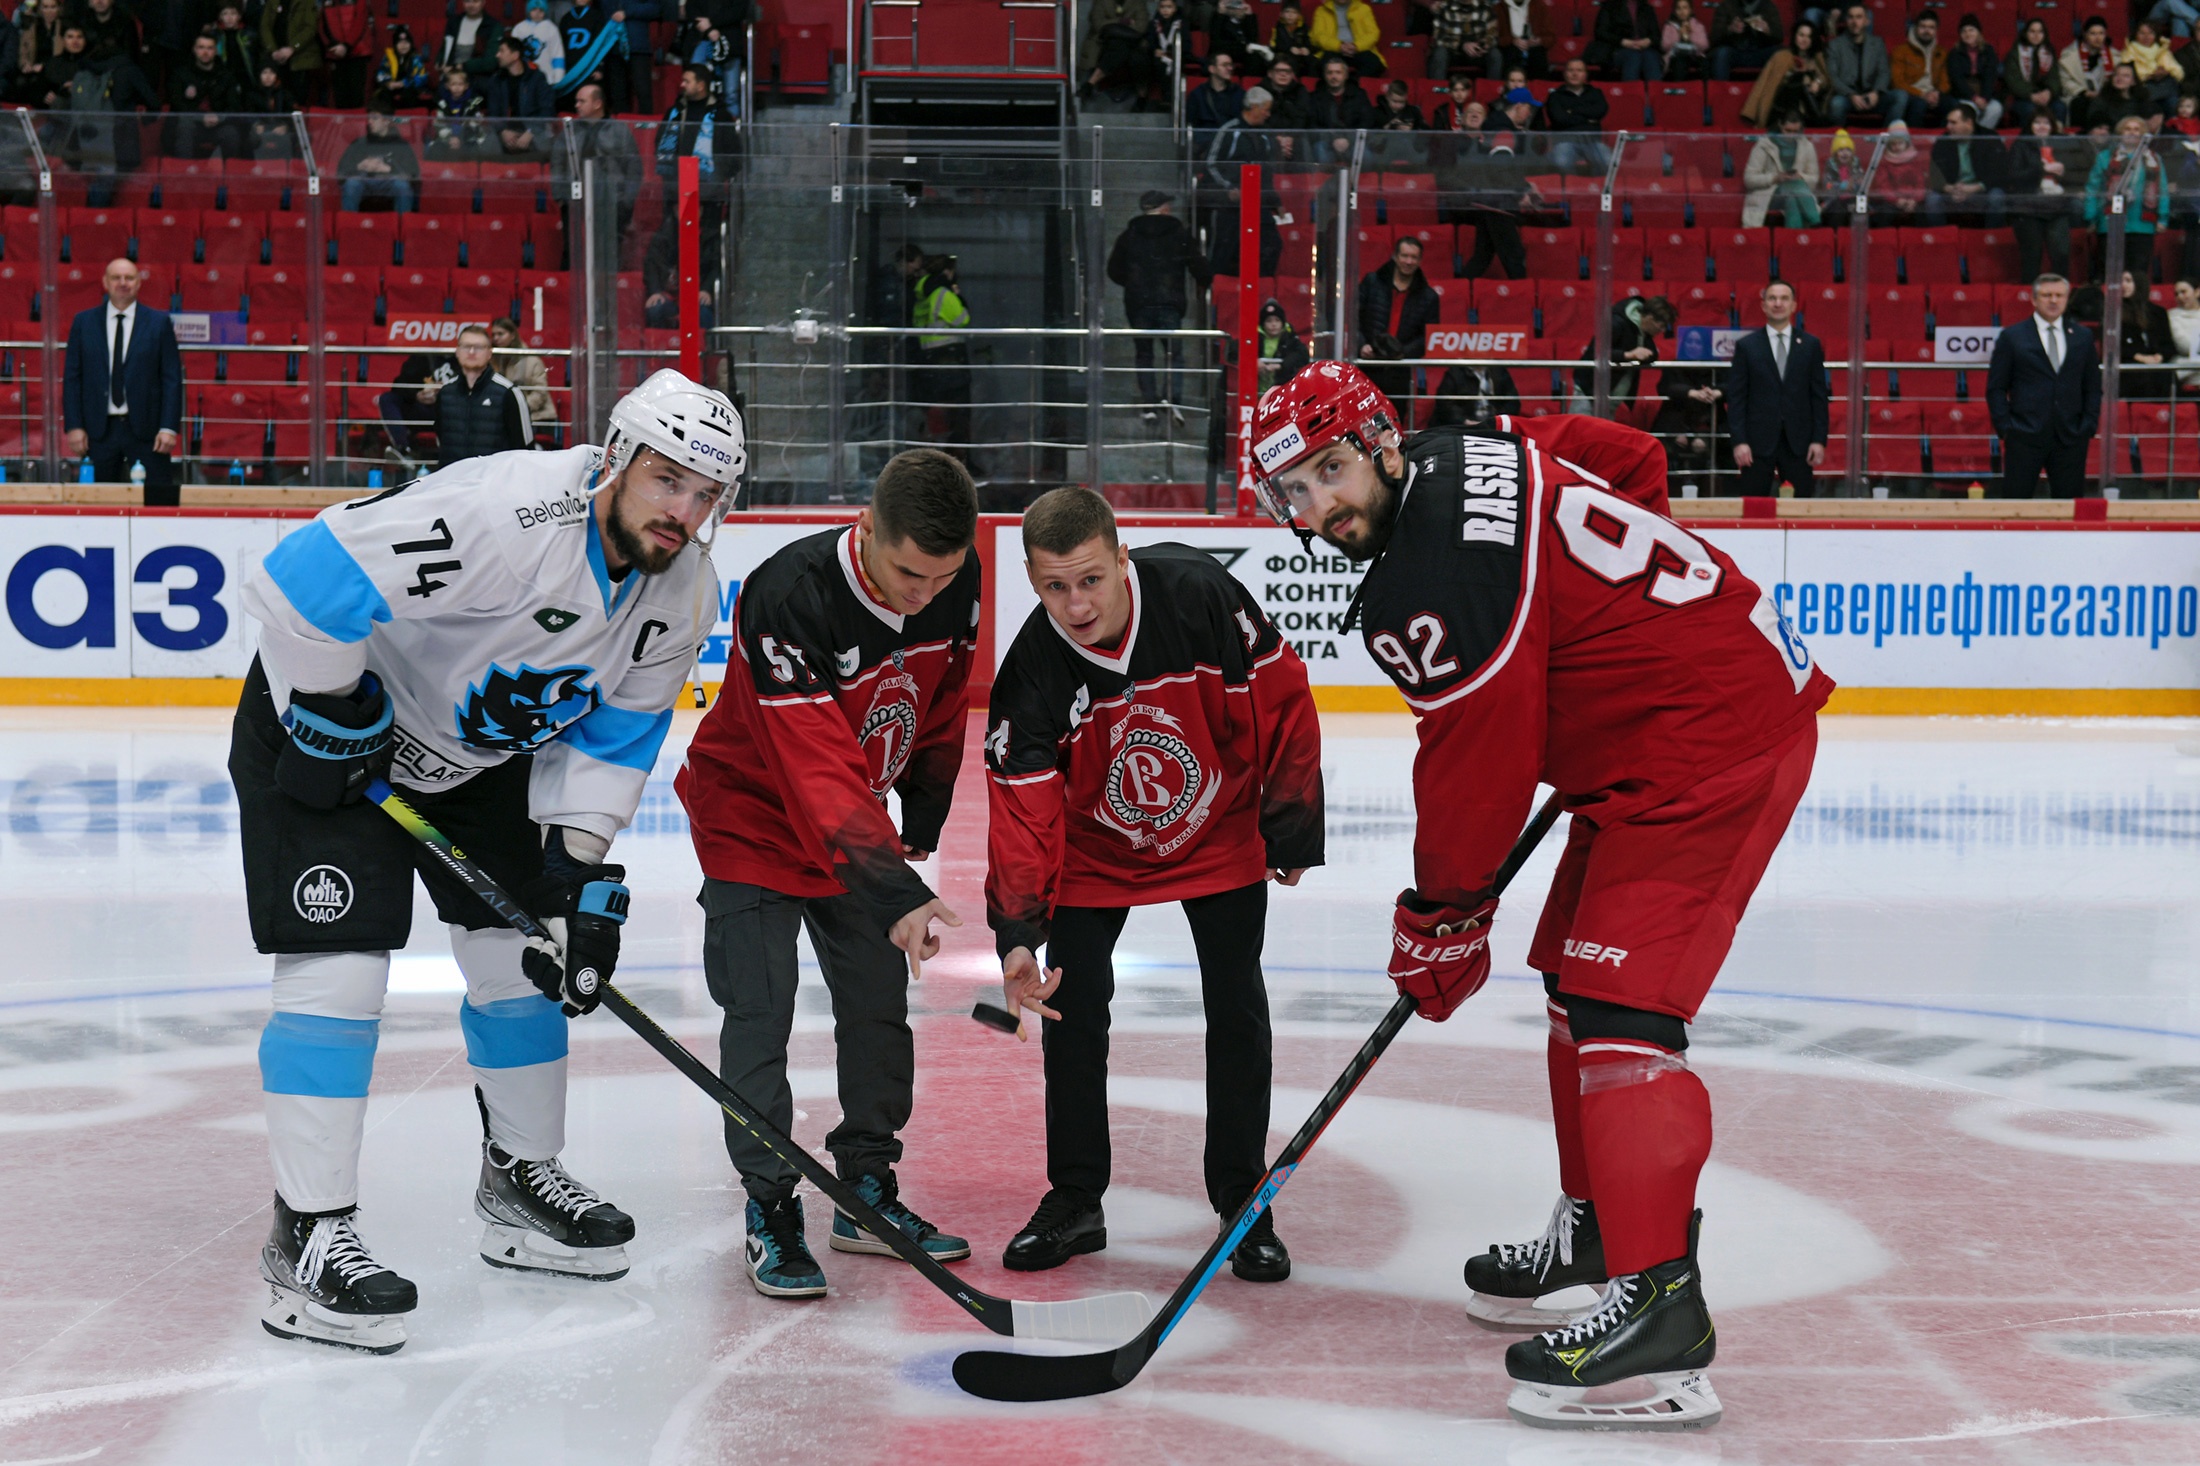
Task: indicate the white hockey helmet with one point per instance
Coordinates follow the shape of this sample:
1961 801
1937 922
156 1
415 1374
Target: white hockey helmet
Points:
688 423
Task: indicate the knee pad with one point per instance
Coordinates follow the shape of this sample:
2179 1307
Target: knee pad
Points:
489 961
1592 1019
332 984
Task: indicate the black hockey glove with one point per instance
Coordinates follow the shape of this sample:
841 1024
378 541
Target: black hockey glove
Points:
584 906
337 743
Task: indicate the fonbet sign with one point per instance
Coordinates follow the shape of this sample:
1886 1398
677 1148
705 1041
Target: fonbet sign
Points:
428 330
1466 343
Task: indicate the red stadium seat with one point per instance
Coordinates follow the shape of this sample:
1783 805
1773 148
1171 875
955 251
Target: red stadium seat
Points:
1990 254
19 235
253 366
1930 256
2013 303
1961 305
1298 248
292 409
430 241
448 188
169 236
95 236
1409 198
494 243
2166 436
546 235
1555 254
1891 438
1569 317
19 292
231 421
1457 306
482 295
1630 257
210 287
349 294
82 287
1741 257
1806 254
546 305
1628 105
238 242
1677 252
1724 101
1373 242
410 292
1676 106
1702 303
1961 436
278 293
366 241
1896 312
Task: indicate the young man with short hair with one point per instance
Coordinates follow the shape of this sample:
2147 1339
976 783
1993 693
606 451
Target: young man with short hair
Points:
478 411
1151 739
849 676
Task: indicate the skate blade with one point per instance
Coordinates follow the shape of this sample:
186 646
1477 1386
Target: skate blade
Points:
291 1315
1525 1316
1679 1401
523 1249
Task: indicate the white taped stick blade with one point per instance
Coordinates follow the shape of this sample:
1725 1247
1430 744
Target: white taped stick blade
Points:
1679 1401
1109 1318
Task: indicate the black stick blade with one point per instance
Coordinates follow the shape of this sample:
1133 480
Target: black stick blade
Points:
994 1374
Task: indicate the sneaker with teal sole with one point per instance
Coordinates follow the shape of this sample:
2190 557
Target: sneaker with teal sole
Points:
885 1197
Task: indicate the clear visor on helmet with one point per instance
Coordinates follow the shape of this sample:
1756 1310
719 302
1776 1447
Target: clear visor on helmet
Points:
1288 493
705 505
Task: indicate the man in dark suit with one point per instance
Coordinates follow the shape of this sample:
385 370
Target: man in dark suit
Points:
2043 390
1776 397
122 388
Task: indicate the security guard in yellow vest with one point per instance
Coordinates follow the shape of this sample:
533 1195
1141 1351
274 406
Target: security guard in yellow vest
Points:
942 378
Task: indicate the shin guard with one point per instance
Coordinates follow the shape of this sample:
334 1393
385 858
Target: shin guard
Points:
1560 1057
1646 1132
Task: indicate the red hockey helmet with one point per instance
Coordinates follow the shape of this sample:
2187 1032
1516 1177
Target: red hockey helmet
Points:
1327 402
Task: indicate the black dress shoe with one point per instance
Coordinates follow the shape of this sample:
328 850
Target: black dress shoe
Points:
1261 1256
1059 1230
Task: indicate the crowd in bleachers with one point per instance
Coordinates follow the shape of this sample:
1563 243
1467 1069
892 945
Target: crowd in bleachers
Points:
1999 134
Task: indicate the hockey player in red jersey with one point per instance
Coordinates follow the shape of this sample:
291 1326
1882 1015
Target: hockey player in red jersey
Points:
849 675
1546 622
1151 739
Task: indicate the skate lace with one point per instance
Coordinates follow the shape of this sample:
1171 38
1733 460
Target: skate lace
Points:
1556 1243
1611 1308
334 1243
550 1182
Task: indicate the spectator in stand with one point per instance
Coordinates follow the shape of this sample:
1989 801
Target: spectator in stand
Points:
2031 79
51 88
1626 43
1346 29
2152 62
697 125
408 405
608 143
2043 392
1246 138
459 130
122 388
1838 179
519 102
2178 146
38 41
2100 112
202 104
942 377
1974 73
470 40
2083 67
238 45
1212 106
544 42
1397 305
1235 32
1474 394
641 52
1108 59
103 141
1461 33
715 37
381 165
2185 121
110 33
1776 400
1744 33
1692 419
1898 190
1164 34
268 104
2184 332
478 411
1919 68
1340 107
1494 186
290 36
1525 34
1684 44
166 29
1282 354
1396 111
2036 182
347 41
1574 115
1453 115
662 290
526 372
1967 182
2138 175
1294 106
1782 169
2146 348
1793 81
593 46
1150 259
1857 65
1637 323
1292 41
401 75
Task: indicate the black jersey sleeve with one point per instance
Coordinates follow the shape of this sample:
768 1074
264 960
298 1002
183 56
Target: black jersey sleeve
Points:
1031 714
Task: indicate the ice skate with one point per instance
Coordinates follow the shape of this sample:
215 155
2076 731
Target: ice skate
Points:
1509 1278
1636 1363
542 1220
327 1288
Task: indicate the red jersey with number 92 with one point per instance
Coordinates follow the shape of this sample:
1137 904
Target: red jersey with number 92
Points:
1547 622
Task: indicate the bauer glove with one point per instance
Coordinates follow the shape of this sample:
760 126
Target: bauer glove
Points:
584 906
1439 953
337 743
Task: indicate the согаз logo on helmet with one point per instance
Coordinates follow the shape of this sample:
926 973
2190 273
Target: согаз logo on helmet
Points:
711 449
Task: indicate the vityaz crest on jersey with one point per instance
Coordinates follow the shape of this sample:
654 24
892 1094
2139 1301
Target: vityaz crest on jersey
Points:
889 729
1157 792
517 712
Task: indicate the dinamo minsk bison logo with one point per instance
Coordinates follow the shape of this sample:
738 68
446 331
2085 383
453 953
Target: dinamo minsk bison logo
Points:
518 712
889 731
1156 792
322 895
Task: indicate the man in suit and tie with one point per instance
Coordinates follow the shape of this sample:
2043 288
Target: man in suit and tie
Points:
122 388
1776 399
2043 389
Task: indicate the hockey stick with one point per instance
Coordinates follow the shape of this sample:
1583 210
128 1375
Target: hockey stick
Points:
995 1374
1106 1316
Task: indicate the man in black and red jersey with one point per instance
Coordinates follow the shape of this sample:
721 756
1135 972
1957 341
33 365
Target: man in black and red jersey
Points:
1547 622
1151 739
850 676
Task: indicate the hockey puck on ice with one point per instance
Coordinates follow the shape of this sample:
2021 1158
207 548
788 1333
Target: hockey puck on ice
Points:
993 1017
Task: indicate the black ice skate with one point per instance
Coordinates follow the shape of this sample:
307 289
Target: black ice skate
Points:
327 1288
1509 1278
1636 1363
542 1220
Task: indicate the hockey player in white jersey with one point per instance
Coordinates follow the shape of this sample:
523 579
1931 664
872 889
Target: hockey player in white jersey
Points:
505 640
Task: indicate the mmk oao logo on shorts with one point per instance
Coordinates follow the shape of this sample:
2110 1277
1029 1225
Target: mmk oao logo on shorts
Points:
322 895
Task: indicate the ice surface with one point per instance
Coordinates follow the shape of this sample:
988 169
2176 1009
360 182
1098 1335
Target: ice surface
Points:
1955 1060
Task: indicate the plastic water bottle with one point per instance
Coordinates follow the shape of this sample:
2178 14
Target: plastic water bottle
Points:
236 470
84 471
374 478
3 473
137 477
